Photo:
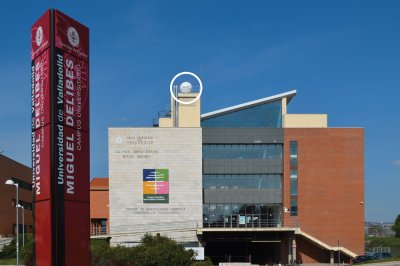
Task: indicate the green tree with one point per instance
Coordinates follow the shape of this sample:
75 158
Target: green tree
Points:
396 226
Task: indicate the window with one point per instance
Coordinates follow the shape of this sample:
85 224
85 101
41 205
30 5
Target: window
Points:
241 215
25 204
293 187
293 207
242 151
22 184
268 115
250 181
293 174
293 178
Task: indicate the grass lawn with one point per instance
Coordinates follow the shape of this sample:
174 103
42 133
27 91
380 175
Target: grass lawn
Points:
8 261
391 242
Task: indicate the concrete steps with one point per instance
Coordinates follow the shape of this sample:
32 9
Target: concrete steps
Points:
325 245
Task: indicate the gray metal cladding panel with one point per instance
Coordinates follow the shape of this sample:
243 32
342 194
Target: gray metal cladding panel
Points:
242 166
242 135
242 196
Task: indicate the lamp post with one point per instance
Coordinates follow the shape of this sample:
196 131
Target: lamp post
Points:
23 224
10 182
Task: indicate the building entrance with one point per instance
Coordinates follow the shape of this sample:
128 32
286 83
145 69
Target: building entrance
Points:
265 252
257 248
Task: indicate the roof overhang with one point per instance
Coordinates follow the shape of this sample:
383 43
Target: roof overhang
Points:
288 95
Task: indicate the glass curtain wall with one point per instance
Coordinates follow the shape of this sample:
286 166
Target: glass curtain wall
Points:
250 181
260 213
242 151
242 215
268 115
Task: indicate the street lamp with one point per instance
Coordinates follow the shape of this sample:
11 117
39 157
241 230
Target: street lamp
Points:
23 223
12 183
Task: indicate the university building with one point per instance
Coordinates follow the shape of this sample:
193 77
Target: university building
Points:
247 183
21 175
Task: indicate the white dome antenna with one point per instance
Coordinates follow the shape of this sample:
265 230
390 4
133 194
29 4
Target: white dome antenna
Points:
185 87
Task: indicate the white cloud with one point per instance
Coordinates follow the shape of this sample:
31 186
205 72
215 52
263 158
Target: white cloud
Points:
396 163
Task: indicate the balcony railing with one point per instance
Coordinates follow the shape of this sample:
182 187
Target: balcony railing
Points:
97 231
250 222
193 225
243 223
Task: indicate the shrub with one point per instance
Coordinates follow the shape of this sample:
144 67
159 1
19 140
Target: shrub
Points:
154 250
8 251
206 262
26 252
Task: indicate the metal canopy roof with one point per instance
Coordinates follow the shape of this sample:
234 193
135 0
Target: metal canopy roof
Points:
289 95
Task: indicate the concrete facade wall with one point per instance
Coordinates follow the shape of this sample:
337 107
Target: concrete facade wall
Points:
165 122
8 169
188 114
133 149
330 185
305 120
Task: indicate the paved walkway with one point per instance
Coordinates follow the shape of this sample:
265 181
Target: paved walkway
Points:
388 263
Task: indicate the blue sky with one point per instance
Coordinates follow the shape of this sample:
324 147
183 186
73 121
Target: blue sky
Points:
342 57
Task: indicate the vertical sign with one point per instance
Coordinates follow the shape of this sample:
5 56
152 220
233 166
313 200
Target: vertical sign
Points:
60 139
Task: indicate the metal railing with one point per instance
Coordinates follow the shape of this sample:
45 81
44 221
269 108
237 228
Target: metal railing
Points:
147 228
189 226
250 222
243 224
98 231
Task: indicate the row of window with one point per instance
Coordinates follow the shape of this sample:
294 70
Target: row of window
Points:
25 204
242 151
267 115
22 184
293 179
239 215
271 210
260 181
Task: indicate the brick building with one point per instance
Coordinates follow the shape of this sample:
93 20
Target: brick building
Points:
269 186
99 206
21 174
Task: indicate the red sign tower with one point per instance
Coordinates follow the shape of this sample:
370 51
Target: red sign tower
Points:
60 139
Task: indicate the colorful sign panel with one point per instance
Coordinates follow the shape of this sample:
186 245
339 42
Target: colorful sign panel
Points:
60 139
155 186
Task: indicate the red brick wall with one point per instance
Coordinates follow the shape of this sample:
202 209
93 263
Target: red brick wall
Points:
330 184
308 253
9 169
99 204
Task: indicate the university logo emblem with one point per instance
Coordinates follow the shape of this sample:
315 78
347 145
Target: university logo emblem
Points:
73 36
155 186
39 36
